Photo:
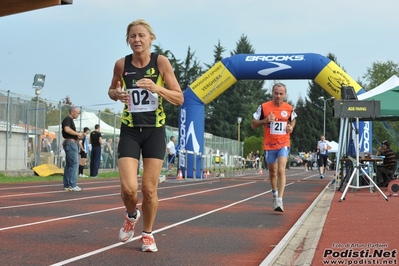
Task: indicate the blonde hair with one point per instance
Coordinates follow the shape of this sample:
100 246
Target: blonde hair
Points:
141 22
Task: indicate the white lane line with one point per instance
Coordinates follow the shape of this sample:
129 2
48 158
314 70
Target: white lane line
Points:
62 191
306 178
94 252
83 198
116 208
57 185
59 219
57 201
52 192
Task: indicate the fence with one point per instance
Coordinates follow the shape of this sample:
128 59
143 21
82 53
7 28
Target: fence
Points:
25 121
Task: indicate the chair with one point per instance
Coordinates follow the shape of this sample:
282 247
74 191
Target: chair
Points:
394 173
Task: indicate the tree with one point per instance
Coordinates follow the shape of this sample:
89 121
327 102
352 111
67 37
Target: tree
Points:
53 111
299 140
240 100
217 54
186 72
380 72
253 144
110 118
310 118
209 108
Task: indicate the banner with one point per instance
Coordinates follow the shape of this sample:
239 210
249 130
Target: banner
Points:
253 67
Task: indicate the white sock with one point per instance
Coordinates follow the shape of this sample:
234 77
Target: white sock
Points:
145 234
280 199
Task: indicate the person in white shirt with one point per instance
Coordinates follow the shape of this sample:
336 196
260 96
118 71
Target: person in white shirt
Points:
170 147
322 150
310 160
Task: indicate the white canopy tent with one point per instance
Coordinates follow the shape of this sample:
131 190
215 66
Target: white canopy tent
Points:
387 85
89 119
387 94
334 146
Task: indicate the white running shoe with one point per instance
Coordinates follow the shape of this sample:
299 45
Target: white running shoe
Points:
279 206
75 189
127 231
149 244
275 203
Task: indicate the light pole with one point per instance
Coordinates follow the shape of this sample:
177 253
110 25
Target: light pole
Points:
239 120
38 84
324 108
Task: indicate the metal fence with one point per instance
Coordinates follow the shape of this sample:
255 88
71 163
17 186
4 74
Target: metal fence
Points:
30 119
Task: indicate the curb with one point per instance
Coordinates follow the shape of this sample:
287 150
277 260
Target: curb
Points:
299 245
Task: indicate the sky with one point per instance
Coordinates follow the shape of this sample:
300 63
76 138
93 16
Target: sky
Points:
76 46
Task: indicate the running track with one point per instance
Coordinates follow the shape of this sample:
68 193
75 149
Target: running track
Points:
226 221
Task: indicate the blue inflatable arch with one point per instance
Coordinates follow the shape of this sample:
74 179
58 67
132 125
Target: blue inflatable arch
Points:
248 67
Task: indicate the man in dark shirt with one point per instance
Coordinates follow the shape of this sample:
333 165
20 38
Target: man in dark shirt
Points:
70 146
95 157
389 165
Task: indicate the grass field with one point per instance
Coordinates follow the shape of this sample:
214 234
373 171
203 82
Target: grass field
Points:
4 178
23 179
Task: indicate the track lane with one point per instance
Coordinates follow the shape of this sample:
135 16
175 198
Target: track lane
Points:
202 237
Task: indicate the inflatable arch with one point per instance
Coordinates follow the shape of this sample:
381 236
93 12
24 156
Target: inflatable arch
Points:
248 67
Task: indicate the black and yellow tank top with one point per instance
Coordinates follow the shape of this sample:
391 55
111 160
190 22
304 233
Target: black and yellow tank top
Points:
144 108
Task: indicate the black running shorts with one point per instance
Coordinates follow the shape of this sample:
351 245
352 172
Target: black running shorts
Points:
151 141
83 155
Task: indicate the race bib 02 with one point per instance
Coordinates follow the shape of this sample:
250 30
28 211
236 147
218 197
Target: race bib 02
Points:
142 100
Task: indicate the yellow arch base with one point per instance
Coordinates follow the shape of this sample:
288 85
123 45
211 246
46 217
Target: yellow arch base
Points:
47 170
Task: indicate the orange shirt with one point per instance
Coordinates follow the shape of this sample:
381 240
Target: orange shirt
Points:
275 134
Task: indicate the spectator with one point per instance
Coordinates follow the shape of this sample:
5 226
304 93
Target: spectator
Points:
389 164
62 156
311 159
83 151
116 144
306 161
108 155
49 144
95 156
322 149
171 150
250 159
54 145
30 146
256 160
46 145
70 146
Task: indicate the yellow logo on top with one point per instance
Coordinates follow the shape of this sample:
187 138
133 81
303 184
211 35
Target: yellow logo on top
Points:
213 83
332 78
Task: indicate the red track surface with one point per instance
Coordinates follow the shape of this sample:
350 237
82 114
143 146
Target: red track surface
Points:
226 221
364 223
